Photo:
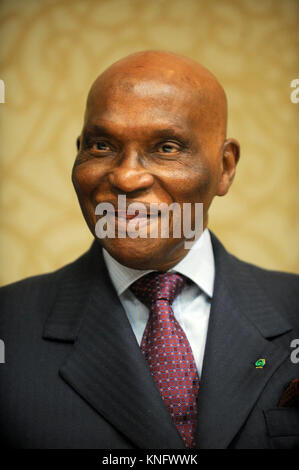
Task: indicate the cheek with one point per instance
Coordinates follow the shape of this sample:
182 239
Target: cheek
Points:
85 178
83 181
194 185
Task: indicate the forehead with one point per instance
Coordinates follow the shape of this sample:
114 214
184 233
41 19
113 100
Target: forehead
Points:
142 103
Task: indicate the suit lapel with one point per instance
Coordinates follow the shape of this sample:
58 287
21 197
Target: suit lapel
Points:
242 322
106 367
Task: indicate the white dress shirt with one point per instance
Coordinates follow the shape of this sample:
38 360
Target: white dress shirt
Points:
191 308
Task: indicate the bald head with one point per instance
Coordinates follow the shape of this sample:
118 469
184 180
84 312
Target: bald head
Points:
155 74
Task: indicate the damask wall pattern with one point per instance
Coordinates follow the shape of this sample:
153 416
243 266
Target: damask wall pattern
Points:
52 50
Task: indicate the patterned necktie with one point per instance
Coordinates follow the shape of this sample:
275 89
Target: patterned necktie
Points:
167 350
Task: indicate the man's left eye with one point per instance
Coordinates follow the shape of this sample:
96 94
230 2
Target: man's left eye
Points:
168 148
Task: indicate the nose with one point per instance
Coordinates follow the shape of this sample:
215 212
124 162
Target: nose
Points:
130 176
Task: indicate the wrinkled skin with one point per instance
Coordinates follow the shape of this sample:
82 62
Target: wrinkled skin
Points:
155 131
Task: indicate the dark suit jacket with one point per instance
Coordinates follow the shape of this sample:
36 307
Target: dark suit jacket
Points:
74 375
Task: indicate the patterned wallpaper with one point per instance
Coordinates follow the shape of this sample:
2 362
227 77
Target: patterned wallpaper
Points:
51 51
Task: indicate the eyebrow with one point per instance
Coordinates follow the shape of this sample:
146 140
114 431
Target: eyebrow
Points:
96 130
175 132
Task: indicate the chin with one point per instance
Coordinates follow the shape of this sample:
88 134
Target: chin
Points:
140 253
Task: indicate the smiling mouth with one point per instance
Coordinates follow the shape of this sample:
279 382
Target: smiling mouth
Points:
129 216
130 221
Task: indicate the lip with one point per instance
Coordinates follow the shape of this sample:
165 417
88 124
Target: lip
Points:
140 219
127 214
138 215
124 221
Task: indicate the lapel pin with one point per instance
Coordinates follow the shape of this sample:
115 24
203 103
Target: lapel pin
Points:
260 363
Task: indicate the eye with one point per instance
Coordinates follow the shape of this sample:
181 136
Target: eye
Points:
101 146
168 147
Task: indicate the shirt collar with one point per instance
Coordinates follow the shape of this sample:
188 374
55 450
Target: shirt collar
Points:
198 265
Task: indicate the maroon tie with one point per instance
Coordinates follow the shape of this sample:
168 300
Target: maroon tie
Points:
167 350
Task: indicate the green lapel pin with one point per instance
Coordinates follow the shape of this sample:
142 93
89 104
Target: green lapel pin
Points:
260 363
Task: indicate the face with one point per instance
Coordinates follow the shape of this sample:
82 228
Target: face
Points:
150 143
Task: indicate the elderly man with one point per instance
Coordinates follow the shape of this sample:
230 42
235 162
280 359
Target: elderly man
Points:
144 342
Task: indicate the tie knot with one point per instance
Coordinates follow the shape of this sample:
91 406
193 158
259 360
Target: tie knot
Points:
156 286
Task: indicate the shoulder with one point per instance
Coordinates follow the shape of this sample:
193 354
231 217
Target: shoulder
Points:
278 282
37 291
279 287
269 279
33 286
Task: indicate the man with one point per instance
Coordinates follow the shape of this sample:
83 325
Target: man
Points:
142 342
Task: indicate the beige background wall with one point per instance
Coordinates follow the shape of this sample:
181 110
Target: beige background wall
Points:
50 52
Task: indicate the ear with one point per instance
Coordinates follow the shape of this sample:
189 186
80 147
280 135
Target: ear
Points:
230 157
78 142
